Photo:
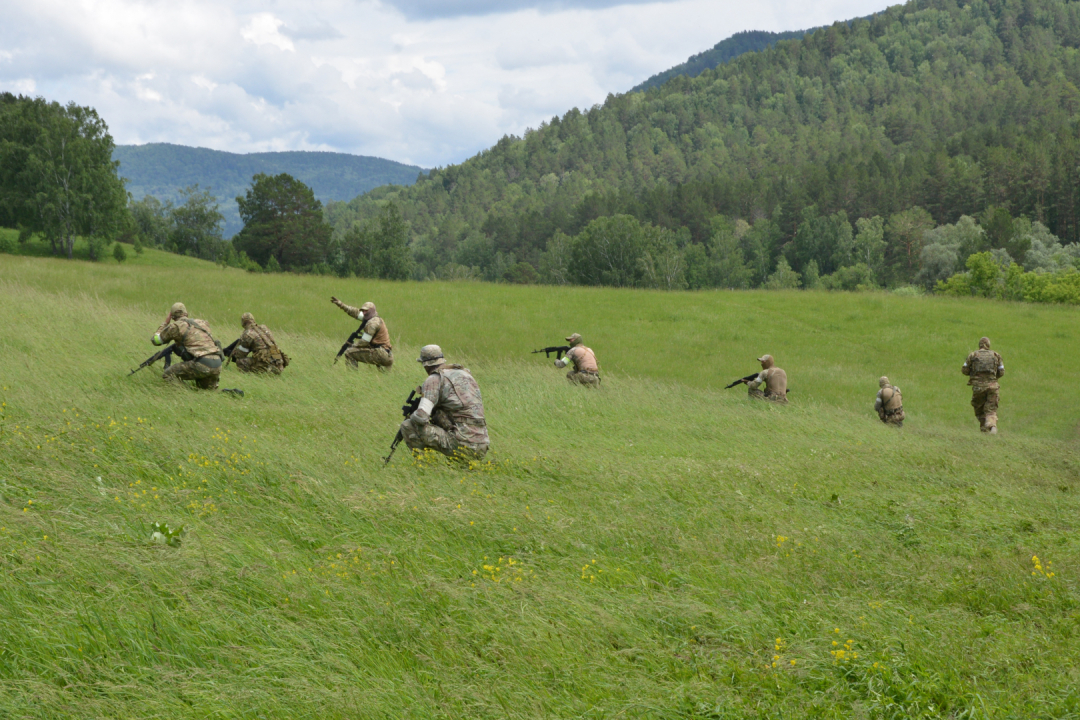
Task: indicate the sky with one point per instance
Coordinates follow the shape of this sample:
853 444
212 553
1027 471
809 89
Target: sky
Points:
424 82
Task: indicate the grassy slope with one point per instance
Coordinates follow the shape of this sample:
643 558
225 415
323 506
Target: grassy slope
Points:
718 525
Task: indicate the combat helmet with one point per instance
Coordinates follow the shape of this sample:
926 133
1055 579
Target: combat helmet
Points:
431 355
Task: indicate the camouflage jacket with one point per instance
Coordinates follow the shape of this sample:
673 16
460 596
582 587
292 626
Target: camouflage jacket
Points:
374 327
775 380
453 391
257 340
194 335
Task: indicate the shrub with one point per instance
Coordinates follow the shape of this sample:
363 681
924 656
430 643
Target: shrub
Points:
853 277
784 278
119 253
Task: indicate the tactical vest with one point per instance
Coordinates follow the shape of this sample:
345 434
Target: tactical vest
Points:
468 393
269 348
585 361
381 338
985 361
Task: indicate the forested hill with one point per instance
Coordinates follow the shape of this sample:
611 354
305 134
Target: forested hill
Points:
919 115
162 169
725 50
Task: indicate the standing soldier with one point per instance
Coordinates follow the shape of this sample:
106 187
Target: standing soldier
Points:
450 418
256 351
889 404
586 370
371 344
983 368
775 380
204 365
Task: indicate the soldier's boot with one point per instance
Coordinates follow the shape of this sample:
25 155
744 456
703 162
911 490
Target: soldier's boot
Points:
993 430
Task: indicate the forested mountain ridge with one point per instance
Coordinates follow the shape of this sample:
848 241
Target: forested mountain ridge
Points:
162 170
724 51
930 107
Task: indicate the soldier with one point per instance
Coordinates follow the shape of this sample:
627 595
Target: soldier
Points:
450 418
983 368
586 370
256 351
775 381
889 404
202 354
373 344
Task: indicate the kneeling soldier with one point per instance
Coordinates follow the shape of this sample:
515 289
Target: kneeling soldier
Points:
586 370
889 404
372 347
256 351
450 418
775 380
202 354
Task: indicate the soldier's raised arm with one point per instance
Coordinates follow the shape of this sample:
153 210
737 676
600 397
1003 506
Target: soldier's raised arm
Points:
354 312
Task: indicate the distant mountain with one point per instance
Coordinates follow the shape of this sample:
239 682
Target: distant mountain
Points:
162 169
725 50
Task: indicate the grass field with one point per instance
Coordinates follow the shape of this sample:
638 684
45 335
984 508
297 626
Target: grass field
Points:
661 548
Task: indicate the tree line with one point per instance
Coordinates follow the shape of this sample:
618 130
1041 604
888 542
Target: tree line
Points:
58 181
918 116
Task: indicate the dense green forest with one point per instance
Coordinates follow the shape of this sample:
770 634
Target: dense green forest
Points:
162 170
723 51
843 152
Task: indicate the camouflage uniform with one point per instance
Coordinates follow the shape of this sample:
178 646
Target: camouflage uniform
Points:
586 370
450 418
194 336
775 381
373 346
889 404
256 351
983 368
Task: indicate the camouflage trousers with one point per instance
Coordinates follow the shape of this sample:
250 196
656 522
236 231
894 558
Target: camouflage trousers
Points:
895 418
206 378
256 364
985 402
759 395
377 356
429 435
587 379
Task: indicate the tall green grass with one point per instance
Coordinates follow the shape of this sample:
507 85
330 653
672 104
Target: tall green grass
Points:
670 540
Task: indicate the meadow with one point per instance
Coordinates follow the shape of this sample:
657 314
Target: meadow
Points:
661 548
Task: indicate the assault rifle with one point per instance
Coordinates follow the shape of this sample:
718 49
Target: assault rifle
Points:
746 379
558 350
228 351
358 333
165 353
411 405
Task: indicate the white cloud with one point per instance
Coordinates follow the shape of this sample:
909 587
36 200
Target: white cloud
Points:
22 86
262 29
397 79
